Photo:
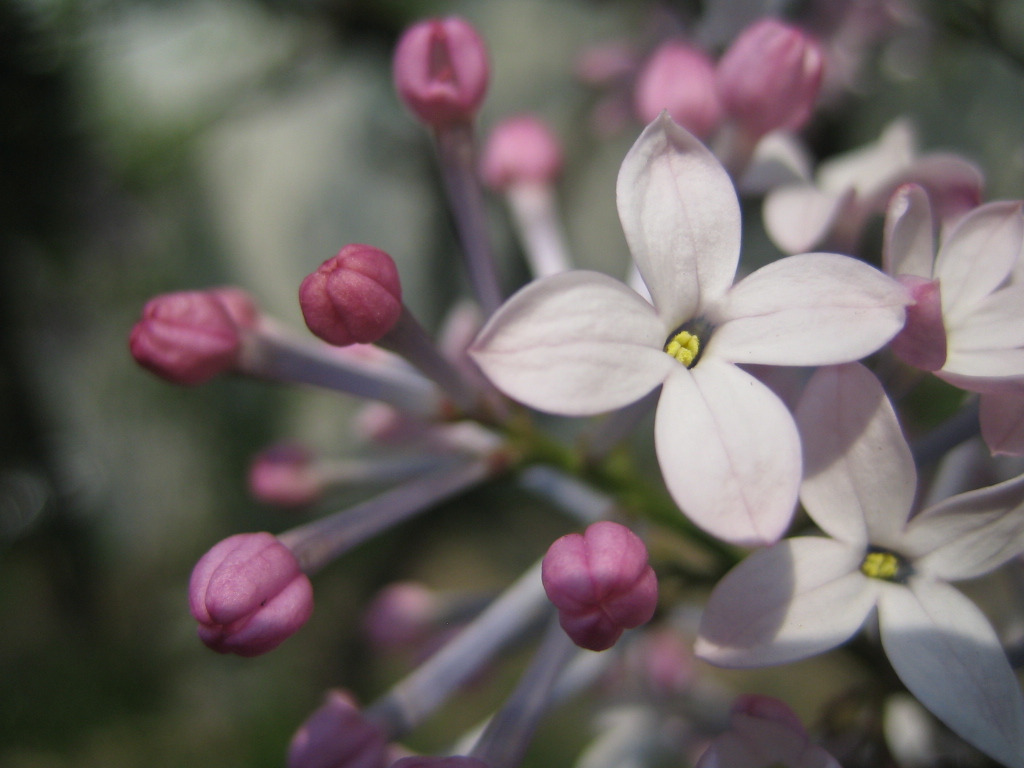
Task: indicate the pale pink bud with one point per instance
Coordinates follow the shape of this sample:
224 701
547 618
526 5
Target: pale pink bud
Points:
769 77
338 736
681 79
353 298
400 614
249 595
186 337
520 150
456 761
601 584
285 475
922 342
441 71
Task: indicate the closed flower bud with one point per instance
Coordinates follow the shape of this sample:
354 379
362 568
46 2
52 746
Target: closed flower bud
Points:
441 71
338 736
521 150
249 595
601 584
285 475
457 761
353 298
769 77
680 79
187 337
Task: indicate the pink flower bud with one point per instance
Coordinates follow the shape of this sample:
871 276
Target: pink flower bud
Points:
457 761
354 297
441 71
769 77
240 305
401 614
249 595
285 475
680 79
520 150
601 584
187 337
338 736
922 342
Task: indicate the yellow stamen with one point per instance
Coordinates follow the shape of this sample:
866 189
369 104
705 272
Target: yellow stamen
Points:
684 347
881 565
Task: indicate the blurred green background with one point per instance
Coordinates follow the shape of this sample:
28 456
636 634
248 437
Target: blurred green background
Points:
151 146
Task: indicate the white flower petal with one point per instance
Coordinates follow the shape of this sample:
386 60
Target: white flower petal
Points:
978 256
969 534
947 654
729 452
681 219
982 364
799 217
798 598
997 322
872 166
909 244
575 343
811 309
859 477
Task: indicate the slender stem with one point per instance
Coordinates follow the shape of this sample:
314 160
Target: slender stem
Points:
274 355
413 699
318 543
535 214
457 157
507 736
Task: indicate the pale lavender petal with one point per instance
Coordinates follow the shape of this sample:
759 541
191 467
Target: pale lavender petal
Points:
800 217
947 654
969 534
798 598
729 452
576 343
977 256
681 219
859 476
982 364
873 166
1002 420
811 309
954 185
997 322
909 241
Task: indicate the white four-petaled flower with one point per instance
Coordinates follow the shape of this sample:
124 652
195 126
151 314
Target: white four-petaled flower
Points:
808 594
581 343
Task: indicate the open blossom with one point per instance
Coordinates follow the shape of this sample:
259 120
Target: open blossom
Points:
581 343
847 190
808 594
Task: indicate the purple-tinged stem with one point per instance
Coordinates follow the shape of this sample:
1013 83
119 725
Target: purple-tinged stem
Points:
535 214
457 157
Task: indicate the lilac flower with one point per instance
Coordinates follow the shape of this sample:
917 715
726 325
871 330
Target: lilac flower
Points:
581 343
808 594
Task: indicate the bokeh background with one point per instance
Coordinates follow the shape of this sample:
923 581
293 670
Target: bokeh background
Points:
148 146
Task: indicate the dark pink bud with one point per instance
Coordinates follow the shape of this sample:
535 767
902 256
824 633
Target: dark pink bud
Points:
401 614
521 150
680 79
922 342
457 761
338 736
354 297
285 475
186 337
769 77
441 70
601 584
249 594
240 305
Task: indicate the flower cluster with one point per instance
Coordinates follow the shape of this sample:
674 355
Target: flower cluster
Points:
772 416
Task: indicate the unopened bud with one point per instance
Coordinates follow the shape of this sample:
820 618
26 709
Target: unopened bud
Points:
456 761
441 71
521 150
285 475
401 614
681 79
187 337
249 595
354 297
338 736
769 77
601 583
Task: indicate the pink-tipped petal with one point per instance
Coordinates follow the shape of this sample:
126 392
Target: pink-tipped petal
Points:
729 452
681 219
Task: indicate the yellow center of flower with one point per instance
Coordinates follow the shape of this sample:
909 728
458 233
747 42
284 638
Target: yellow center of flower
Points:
684 347
886 566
